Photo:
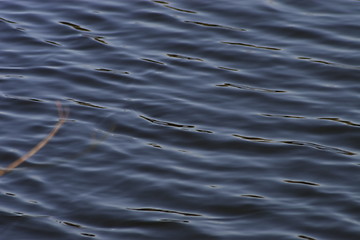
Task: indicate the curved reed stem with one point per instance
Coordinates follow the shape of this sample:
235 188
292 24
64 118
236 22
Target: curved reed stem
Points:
63 115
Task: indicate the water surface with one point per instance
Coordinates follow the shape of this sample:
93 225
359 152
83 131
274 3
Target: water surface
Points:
189 119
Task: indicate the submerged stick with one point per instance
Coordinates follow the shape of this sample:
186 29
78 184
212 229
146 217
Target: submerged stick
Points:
63 115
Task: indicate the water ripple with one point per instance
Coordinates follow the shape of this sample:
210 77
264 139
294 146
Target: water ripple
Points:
222 120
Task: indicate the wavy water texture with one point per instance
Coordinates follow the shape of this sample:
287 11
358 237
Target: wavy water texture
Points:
190 119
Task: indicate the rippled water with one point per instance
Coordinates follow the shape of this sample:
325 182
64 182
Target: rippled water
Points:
189 119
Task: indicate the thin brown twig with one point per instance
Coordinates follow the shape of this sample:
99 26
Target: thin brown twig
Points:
63 115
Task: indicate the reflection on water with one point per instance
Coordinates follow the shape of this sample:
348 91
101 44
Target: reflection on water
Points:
225 120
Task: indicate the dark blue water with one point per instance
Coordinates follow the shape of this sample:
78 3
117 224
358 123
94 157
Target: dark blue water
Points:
189 119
